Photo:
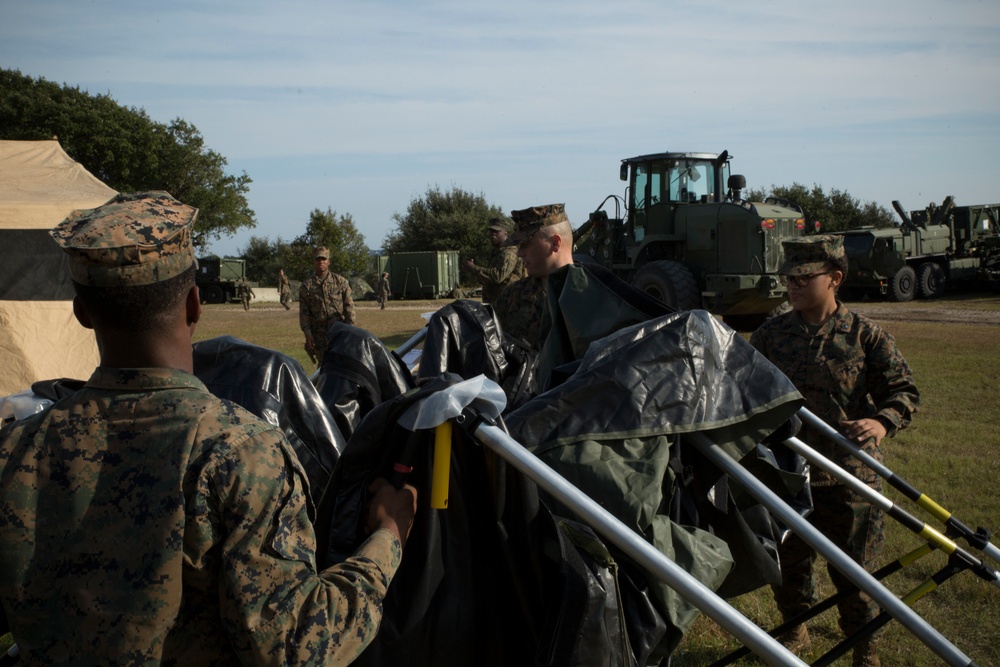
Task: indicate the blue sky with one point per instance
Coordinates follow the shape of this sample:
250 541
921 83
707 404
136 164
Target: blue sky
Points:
362 106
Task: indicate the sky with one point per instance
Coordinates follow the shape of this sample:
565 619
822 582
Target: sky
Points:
361 107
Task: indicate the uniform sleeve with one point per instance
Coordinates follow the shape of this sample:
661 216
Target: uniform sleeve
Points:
348 303
890 381
277 609
499 269
305 317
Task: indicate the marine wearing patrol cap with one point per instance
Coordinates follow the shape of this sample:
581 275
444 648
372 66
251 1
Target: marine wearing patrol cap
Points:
321 253
811 254
498 224
528 221
134 239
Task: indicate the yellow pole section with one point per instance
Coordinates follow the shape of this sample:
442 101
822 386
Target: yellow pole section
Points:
442 466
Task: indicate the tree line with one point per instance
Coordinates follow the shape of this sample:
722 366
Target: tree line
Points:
129 151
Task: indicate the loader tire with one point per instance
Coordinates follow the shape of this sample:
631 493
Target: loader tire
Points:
670 283
214 294
933 281
904 285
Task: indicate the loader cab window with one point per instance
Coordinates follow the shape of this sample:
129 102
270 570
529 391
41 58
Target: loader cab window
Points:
692 181
647 191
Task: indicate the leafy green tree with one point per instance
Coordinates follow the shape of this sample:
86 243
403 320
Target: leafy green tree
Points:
453 220
836 212
338 233
264 257
127 150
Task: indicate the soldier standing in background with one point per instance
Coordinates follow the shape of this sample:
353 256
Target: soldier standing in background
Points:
383 289
852 376
147 521
324 298
284 289
245 293
543 238
503 267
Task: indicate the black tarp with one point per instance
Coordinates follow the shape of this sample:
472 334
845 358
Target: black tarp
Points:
275 387
495 579
358 373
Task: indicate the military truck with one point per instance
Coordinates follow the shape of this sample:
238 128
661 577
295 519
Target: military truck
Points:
217 277
934 248
689 239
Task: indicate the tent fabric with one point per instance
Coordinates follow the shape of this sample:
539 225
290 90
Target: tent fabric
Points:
274 387
494 580
612 430
40 338
358 373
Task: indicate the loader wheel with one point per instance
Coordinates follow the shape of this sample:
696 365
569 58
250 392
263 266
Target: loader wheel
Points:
932 281
669 282
904 285
215 294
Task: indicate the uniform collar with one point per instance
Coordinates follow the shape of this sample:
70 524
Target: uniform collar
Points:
143 379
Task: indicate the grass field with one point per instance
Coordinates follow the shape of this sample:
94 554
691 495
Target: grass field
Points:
951 453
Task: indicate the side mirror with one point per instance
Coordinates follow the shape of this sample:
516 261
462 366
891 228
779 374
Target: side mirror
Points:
623 172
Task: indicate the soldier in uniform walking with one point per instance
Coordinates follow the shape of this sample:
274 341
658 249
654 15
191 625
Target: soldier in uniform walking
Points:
324 298
383 289
245 292
284 289
146 521
503 267
853 376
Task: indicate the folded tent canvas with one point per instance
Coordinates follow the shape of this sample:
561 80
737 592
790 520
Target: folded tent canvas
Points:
40 338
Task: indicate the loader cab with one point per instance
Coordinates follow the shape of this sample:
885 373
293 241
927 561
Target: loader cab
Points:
660 183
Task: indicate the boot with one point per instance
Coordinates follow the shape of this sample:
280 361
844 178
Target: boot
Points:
865 655
796 639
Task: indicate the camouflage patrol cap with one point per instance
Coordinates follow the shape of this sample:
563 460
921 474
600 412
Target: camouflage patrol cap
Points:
528 221
134 239
811 254
321 253
498 224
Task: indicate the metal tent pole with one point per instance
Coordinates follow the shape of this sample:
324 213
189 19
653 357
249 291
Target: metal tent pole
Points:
978 540
644 553
885 598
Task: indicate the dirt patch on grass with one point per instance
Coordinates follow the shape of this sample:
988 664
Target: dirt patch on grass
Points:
981 309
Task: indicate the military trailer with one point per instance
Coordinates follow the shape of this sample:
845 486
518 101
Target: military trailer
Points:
689 239
217 278
933 249
432 274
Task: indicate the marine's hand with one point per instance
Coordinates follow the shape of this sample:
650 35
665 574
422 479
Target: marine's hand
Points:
391 508
468 264
860 430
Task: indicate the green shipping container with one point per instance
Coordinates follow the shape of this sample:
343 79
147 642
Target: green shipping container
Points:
423 275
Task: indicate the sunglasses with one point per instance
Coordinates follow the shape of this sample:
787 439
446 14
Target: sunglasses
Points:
801 281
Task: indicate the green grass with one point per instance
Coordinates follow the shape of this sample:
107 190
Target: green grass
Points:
951 453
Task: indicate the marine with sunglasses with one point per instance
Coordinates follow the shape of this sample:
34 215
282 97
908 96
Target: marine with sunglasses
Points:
853 376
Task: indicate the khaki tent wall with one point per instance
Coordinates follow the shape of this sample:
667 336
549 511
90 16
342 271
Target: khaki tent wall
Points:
40 338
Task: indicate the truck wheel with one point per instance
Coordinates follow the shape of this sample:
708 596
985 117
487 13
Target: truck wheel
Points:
932 280
669 282
215 294
904 284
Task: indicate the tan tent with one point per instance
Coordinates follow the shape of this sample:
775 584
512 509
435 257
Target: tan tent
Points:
39 337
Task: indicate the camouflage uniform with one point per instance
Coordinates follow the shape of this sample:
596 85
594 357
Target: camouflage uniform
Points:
322 302
383 290
145 521
148 522
847 369
519 307
245 293
503 269
284 291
